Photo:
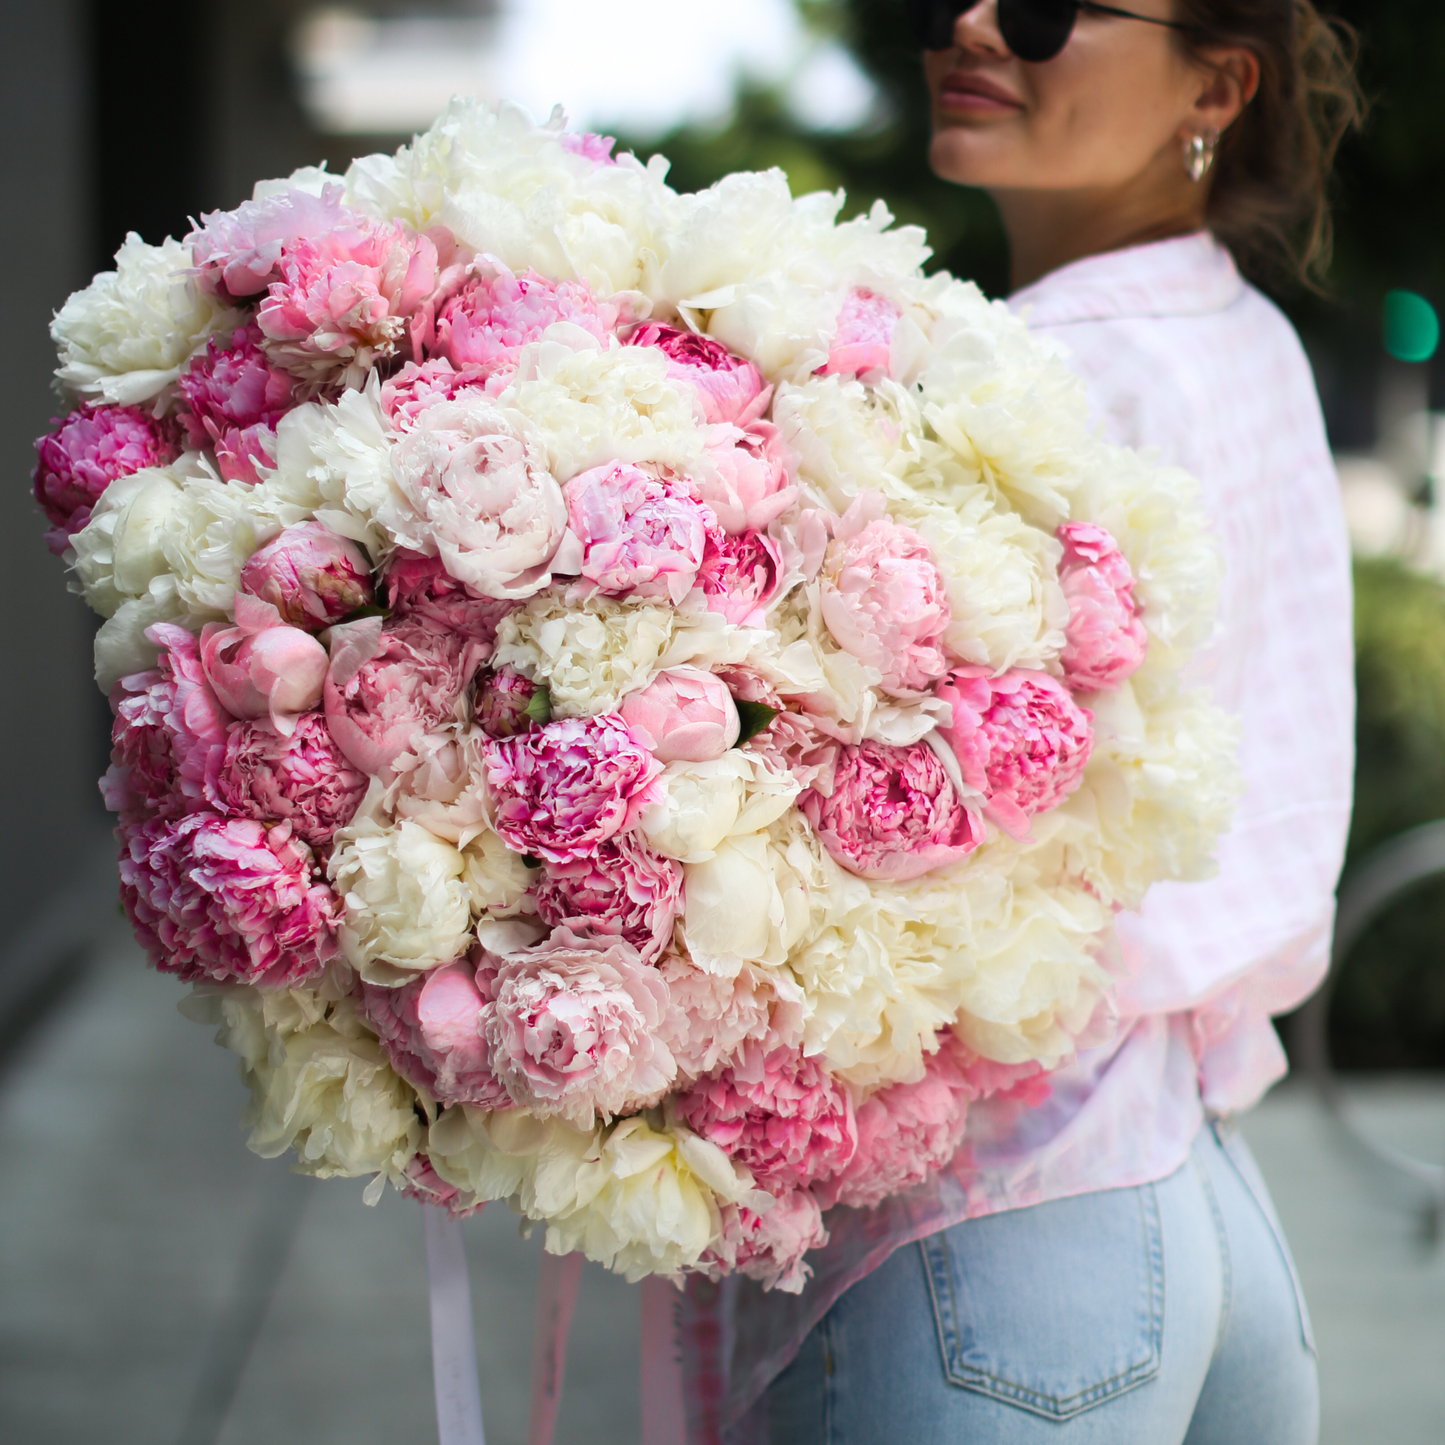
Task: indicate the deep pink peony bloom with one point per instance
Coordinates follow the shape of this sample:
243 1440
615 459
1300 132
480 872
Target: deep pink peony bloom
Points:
740 575
227 899
303 779
565 789
640 534
573 1029
728 388
893 813
389 683
624 890
169 733
234 398
506 704
1020 738
431 1031
769 1247
749 484
780 1114
1106 638
487 323
415 387
261 667
865 334
343 299
86 452
426 1186
310 576
883 597
591 146
421 591
684 714
238 253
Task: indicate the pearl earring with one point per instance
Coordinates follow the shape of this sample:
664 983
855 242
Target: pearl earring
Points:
1199 153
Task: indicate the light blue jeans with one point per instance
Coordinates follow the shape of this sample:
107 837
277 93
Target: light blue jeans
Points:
1168 1314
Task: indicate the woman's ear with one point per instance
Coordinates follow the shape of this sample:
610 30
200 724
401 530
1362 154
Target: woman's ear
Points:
1231 77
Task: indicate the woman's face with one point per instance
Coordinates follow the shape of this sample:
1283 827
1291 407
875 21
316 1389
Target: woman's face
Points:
1119 98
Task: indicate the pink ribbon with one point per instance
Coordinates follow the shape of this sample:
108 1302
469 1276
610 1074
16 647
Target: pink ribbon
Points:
556 1300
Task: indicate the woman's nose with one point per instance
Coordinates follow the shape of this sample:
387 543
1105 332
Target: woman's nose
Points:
976 29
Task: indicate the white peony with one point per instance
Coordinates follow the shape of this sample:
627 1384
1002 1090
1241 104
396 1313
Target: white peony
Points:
703 803
121 644
120 551
126 336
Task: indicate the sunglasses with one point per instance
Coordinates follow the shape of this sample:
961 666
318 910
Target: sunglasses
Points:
1034 30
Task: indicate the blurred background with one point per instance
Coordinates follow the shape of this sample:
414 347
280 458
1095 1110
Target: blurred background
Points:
120 1305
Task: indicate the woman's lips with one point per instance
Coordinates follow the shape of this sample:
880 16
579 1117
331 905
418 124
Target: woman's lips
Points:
975 95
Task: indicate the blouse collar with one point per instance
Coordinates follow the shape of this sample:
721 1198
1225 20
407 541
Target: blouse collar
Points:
1184 276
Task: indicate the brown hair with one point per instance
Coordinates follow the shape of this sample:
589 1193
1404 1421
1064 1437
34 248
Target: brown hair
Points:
1269 198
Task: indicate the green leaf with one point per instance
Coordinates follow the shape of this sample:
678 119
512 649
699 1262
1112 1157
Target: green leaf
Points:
754 717
531 861
360 613
539 709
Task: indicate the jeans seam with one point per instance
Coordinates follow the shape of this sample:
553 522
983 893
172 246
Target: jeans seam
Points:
1226 1260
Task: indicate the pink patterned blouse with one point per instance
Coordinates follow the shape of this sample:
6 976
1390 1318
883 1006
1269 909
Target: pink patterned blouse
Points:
1181 355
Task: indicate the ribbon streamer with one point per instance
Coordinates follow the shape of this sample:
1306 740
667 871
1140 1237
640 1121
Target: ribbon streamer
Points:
556 1300
663 1420
453 1344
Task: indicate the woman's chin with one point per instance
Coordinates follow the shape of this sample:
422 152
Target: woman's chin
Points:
972 155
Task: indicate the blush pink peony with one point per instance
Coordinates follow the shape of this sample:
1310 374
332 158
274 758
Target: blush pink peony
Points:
893 813
683 715
1105 638
748 483
233 399
769 1247
563 790
411 390
573 1027
1020 738
431 1031
640 534
740 575
86 452
226 899
710 1017
884 599
261 667
310 576
624 890
775 1111
421 591
728 387
508 704
426 1186
387 683
168 736
864 337
303 779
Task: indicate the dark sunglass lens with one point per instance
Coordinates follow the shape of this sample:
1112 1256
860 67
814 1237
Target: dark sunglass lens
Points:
933 21
1036 30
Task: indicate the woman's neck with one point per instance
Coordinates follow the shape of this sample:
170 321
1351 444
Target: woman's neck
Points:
1048 229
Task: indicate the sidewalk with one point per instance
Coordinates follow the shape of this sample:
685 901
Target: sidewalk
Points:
164 1287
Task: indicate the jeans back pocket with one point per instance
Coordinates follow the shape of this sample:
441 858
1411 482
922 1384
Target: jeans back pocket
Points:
1055 1308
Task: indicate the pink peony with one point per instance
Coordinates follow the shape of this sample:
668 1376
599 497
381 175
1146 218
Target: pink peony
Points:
303 779
777 1112
226 899
426 1186
388 683
640 534
169 733
414 388
238 253
1020 738
740 575
564 789
768 1247
684 715
343 299
234 398
883 598
728 388
261 667
790 742
749 484
1106 638
893 814
421 591
710 1017
86 452
624 890
865 334
431 1031
509 704
590 146
310 576
573 1029
488 322
478 493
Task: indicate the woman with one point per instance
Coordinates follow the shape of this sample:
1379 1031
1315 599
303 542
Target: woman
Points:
1111 1268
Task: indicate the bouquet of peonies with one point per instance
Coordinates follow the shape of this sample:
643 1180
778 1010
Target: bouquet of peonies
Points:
639 705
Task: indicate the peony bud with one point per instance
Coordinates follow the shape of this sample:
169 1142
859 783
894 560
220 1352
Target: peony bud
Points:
261 667
683 715
310 576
